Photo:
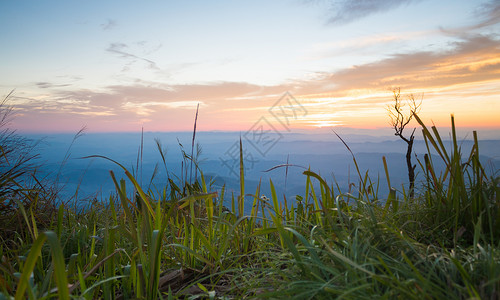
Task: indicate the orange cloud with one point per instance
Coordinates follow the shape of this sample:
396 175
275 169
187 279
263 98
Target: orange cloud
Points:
464 80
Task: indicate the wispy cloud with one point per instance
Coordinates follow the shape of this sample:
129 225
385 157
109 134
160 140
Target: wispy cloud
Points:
108 25
121 50
365 45
126 98
347 11
484 17
488 14
47 85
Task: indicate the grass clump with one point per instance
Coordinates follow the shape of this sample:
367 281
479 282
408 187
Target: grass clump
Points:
24 195
180 241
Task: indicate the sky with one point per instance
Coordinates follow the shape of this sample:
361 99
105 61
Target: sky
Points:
284 64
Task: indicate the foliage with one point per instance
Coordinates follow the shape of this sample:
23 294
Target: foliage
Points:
179 241
21 189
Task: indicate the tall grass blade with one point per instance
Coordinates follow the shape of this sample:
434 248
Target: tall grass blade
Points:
241 198
192 143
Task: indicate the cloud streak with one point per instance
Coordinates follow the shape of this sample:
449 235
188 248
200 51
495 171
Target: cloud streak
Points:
48 85
120 49
489 14
348 11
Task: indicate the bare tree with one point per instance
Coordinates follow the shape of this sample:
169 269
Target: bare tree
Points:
400 118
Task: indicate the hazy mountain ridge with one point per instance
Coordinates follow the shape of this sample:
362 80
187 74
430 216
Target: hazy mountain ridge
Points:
330 158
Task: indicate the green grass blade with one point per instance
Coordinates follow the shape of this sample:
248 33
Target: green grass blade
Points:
241 198
29 265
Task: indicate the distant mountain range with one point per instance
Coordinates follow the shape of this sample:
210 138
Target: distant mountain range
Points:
324 154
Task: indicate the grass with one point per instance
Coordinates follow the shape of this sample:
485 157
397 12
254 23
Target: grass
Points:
180 241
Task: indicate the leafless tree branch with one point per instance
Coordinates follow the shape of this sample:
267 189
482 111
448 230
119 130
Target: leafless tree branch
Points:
399 120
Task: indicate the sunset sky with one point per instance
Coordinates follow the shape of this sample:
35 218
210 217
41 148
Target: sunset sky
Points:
124 65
